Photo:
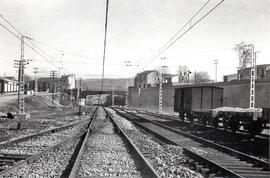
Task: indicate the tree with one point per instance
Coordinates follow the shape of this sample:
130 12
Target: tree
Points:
244 55
200 77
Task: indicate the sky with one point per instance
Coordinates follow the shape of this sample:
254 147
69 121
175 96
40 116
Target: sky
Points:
137 29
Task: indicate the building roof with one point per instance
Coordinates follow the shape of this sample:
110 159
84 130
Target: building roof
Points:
8 79
146 72
169 75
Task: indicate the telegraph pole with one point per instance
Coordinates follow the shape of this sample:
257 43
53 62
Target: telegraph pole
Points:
21 64
36 84
53 74
128 64
216 63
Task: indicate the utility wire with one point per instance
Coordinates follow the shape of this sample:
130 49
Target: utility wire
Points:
188 22
64 51
162 50
26 42
104 47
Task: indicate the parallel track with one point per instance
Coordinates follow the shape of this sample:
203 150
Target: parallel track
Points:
206 157
256 146
148 169
9 162
175 118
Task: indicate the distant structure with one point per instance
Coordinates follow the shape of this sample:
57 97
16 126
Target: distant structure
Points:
230 77
262 73
146 79
8 85
150 78
48 84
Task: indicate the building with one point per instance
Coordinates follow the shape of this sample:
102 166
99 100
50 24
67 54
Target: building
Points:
146 79
8 85
68 81
262 72
230 77
52 85
150 78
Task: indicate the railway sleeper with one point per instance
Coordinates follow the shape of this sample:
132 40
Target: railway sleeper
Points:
6 163
254 176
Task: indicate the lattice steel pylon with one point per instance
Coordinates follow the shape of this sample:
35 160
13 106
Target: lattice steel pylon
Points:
21 78
252 77
160 92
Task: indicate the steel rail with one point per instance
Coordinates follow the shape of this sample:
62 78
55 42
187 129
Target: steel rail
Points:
222 148
151 171
31 159
175 118
52 130
257 162
71 172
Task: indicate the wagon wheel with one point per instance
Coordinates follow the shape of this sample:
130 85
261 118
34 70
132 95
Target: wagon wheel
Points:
234 125
256 127
215 122
224 123
204 120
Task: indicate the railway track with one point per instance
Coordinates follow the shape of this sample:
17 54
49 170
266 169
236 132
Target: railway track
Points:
107 151
185 122
257 146
210 159
22 151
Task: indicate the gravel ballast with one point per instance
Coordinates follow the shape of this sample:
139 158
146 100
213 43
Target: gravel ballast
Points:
167 160
106 154
50 165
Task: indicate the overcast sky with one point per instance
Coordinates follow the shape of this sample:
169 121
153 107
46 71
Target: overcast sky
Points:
136 30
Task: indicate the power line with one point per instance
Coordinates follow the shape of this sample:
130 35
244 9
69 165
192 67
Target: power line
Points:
25 42
188 22
105 40
162 50
64 51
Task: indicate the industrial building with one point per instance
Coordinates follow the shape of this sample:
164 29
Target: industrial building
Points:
8 85
51 85
262 73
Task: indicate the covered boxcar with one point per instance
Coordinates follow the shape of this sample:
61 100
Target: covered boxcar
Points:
197 102
197 98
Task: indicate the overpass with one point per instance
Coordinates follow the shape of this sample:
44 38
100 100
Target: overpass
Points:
97 92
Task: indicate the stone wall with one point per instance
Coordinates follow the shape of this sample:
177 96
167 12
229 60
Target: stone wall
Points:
236 94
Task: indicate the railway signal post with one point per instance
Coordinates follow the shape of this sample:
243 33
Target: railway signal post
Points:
53 75
36 84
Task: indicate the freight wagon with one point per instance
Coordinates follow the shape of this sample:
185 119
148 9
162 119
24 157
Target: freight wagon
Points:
204 104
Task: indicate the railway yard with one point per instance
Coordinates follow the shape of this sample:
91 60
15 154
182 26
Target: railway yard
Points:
117 142
134 89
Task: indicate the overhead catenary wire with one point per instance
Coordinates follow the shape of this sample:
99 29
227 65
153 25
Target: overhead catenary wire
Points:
64 51
188 22
18 37
33 45
168 45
